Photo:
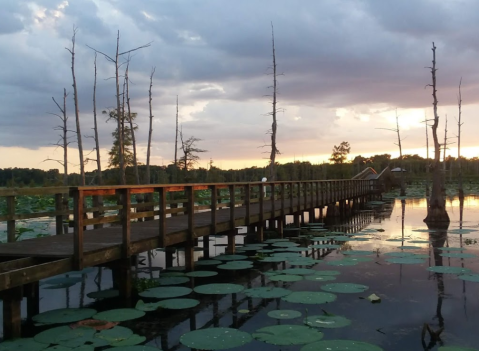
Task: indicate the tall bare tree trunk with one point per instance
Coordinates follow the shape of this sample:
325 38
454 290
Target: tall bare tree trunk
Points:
436 210
95 128
274 150
176 145
444 148
77 111
133 139
150 130
401 163
427 158
459 124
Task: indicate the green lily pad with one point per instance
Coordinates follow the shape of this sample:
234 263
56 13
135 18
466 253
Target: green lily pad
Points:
302 261
173 280
309 297
357 253
358 259
325 246
119 315
231 257
408 247
298 271
399 254
220 288
342 238
64 315
284 244
22 344
288 335
201 274
114 335
273 259
345 288
327 272
424 230
325 321
341 263
286 278
133 348
270 273
49 335
419 242
135 339
207 263
320 278
470 277
236 265
265 251
165 292
287 254
405 260
59 286
172 274
267 292
448 269
103 294
457 255
178 304
284 314
64 280
461 231
215 338
451 248
395 239
340 345
75 337
146 307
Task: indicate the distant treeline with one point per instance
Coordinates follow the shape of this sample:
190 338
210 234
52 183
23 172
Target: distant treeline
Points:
414 165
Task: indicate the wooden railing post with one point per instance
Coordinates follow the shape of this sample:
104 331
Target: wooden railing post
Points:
283 187
247 200
11 223
162 217
125 221
261 203
232 189
189 246
272 202
291 197
78 198
214 204
59 217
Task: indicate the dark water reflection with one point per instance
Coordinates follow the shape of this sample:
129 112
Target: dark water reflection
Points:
410 295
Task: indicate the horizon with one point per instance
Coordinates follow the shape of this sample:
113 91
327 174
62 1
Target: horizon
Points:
346 71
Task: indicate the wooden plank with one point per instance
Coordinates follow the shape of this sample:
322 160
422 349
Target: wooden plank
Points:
247 195
33 191
214 200
126 222
12 313
102 220
11 223
232 190
100 192
162 219
17 264
189 247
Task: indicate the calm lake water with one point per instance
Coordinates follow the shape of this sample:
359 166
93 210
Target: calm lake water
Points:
410 294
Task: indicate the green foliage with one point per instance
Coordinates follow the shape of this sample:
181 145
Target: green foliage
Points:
340 153
114 160
142 284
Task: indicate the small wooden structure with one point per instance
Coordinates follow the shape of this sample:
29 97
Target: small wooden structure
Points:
206 209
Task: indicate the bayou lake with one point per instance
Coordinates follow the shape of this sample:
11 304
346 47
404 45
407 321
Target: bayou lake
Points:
386 250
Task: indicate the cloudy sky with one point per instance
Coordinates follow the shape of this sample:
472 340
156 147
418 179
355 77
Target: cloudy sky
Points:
347 66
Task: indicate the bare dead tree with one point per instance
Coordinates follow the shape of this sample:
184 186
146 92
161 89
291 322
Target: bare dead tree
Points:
427 157
95 129
176 143
77 110
444 146
190 153
63 141
459 124
115 61
274 125
150 130
130 121
436 210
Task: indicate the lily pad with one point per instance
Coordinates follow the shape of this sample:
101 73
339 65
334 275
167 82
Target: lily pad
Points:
64 315
207 263
405 260
236 265
135 339
298 271
419 242
326 321
457 255
285 244
64 280
284 314
309 297
48 336
288 335
450 248
215 338
133 348
146 307
104 294
273 259
201 274
178 304
345 288
173 280
357 253
399 254
231 257
341 263
461 231
119 315
165 292
327 273
395 239
286 278
22 344
287 254
340 345
408 247
320 278
470 277
267 292
114 335
75 337
448 269
219 288
325 246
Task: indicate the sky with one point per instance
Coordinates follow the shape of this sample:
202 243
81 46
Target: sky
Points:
346 68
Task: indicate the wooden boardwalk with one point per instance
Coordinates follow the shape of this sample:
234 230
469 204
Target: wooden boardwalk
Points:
229 205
